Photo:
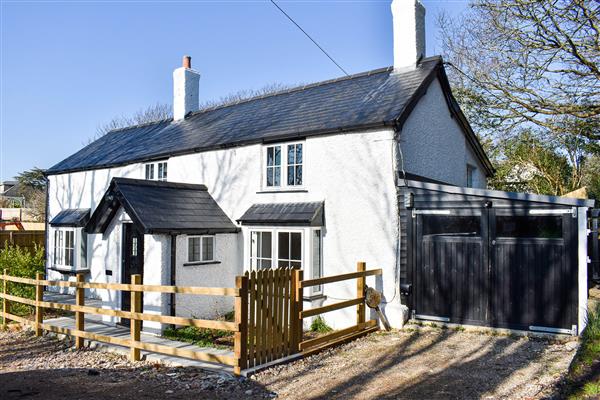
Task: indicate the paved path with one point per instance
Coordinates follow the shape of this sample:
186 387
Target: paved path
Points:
94 324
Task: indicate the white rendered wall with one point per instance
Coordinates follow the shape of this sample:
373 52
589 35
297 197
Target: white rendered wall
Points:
434 145
228 254
157 264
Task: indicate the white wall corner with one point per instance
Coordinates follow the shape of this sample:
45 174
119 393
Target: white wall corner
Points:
582 281
408 18
185 92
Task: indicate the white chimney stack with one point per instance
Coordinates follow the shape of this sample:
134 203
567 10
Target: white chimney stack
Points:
409 33
185 90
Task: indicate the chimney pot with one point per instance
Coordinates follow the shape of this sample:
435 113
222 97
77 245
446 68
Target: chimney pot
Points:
187 62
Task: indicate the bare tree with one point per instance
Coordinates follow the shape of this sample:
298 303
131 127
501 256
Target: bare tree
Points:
535 61
246 94
153 113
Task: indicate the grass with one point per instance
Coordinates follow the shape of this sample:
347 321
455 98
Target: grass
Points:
203 337
583 379
320 326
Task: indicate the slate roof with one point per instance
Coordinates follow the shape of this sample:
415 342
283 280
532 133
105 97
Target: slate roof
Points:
161 208
299 214
72 217
367 100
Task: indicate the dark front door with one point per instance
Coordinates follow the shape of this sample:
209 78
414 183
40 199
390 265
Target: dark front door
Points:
132 262
514 268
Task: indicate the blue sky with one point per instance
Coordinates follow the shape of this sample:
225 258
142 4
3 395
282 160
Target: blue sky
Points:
68 67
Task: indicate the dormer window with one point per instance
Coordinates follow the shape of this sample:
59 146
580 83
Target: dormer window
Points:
283 166
156 171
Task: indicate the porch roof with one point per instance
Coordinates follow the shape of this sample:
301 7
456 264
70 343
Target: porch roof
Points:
162 208
71 217
298 214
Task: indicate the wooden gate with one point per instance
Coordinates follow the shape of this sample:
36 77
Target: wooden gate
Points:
272 304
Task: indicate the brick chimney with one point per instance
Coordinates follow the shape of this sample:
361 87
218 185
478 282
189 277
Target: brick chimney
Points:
409 33
185 89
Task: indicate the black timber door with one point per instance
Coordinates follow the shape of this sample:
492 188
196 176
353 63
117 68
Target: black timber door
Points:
451 280
533 269
514 268
132 262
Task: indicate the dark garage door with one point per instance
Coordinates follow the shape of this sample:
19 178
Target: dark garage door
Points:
498 267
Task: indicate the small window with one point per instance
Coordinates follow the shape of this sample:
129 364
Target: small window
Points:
201 248
64 247
451 225
150 172
294 164
273 177
261 252
162 171
470 174
156 171
529 226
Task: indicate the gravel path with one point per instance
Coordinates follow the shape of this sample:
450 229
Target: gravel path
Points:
46 368
431 363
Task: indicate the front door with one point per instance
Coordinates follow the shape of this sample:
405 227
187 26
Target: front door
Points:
132 262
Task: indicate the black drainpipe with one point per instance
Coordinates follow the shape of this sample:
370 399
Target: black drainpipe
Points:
173 269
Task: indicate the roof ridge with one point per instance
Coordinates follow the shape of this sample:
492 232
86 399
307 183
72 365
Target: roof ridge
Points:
295 89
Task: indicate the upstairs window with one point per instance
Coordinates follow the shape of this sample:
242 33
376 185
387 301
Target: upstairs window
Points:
273 177
294 164
156 171
283 166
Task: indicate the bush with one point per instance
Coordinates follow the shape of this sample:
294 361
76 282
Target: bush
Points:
199 336
320 326
24 263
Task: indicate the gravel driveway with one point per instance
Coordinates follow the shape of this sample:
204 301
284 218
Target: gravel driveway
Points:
431 363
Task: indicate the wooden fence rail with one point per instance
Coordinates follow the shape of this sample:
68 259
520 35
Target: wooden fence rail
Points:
136 315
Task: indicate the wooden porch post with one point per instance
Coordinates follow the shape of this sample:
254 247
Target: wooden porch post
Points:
296 320
135 325
39 297
79 316
241 319
361 284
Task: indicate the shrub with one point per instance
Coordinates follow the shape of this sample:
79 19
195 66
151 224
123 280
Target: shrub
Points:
320 326
22 262
199 336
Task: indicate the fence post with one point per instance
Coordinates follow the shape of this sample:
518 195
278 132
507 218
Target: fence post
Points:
5 305
241 319
39 297
134 324
297 322
79 315
361 284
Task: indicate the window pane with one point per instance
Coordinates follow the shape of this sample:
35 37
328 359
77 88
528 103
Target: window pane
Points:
291 155
316 250
160 171
299 154
277 178
270 156
194 249
284 246
291 176
265 245
277 155
264 264
529 226
296 246
296 264
134 246
207 248
299 175
283 264
165 171
269 176
452 225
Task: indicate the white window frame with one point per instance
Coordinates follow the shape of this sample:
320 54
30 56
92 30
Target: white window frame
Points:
283 183
58 253
471 176
266 168
201 238
155 167
316 290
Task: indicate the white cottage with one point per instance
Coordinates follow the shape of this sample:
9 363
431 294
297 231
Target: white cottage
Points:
305 178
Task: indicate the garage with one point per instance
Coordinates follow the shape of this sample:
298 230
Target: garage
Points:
493 258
